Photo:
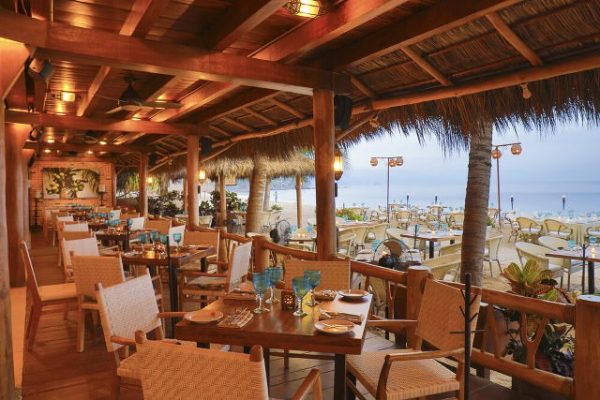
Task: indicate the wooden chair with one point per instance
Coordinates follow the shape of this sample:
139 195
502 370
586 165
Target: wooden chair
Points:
160 225
58 221
78 235
185 373
529 229
414 373
130 215
79 247
204 238
87 272
529 251
556 228
42 296
335 275
177 229
206 285
554 243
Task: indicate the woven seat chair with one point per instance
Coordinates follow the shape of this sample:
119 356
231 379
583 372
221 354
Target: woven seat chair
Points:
335 275
529 229
403 218
178 372
570 266
78 247
456 220
556 228
492 249
160 225
87 272
193 284
445 267
346 243
59 219
43 296
415 373
529 251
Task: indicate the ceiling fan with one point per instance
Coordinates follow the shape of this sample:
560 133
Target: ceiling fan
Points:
131 101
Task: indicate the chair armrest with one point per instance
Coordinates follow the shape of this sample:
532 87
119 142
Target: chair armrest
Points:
123 341
198 273
392 324
171 314
312 381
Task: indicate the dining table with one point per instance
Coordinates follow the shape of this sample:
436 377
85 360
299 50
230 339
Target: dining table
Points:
591 256
433 237
280 329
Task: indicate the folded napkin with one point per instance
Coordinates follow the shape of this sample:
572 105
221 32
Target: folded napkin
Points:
240 296
355 319
236 320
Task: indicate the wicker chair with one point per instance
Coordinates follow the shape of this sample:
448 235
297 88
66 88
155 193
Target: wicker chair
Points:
529 229
346 243
78 247
492 249
335 275
593 231
445 267
557 229
87 272
554 243
514 226
203 284
177 372
408 374
403 218
160 225
529 251
493 216
456 220
376 232
42 296
205 221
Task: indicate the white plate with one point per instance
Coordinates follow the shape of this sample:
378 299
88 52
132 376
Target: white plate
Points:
203 316
353 293
334 326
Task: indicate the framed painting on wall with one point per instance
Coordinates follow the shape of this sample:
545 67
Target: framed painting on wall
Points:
70 183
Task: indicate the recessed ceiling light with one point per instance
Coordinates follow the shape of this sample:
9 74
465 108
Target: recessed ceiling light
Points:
50 140
67 96
90 152
47 150
103 142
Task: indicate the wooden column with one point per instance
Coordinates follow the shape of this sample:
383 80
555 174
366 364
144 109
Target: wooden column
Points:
7 377
143 171
113 171
324 142
299 201
587 359
193 154
16 135
25 157
222 211
256 196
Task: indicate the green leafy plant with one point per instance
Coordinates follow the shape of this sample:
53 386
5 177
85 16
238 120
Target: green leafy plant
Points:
349 213
206 208
527 281
276 207
166 204
232 200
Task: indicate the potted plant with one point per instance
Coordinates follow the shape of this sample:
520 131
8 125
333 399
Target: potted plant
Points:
556 351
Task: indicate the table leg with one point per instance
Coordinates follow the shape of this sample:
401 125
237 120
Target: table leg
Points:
339 386
591 283
173 295
267 357
431 248
349 393
204 265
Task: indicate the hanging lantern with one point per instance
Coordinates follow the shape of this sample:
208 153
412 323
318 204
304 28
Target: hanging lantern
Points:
374 161
304 8
202 176
516 149
399 161
526 91
391 162
496 153
338 164
149 180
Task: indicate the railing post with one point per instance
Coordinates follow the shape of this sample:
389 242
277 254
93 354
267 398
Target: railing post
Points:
261 254
415 284
587 351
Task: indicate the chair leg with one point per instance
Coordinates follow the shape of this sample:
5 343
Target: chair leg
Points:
491 272
80 330
286 359
569 281
499 265
35 315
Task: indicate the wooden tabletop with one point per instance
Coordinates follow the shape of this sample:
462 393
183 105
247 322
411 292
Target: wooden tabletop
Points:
281 329
575 255
151 257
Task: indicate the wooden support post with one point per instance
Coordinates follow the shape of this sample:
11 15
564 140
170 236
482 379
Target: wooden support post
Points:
261 254
7 377
256 196
267 196
16 135
25 157
587 362
143 199
193 158
222 220
113 172
324 142
415 285
299 201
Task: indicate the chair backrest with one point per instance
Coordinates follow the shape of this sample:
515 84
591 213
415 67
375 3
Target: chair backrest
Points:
440 315
77 235
79 247
335 275
64 218
239 263
493 245
78 227
177 229
126 308
553 225
493 213
553 242
345 241
161 225
90 270
184 372
130 215
32 284
403 215
530 251
115 214
205 220
378 231
527 223
137 223
102 209
202 238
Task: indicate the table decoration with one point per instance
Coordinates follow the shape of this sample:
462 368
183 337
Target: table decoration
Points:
288 300
300 285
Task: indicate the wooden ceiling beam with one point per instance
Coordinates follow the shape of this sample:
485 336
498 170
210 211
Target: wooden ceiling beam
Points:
238 19
237 102
142 16
238 124
426 66
438 18
220 131
513 39
287 108
95 47
260 116
362 87
102 124
85 147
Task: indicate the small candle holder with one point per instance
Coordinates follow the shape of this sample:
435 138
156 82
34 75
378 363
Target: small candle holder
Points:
288 300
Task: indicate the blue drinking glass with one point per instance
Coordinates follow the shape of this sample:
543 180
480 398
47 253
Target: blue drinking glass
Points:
275 275
164 239
314 279
261 282
154 237
300 286
571 244
593 240
177 239
143 239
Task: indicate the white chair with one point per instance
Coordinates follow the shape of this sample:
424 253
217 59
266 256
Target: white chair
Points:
346 243
554 243
176 229
58 219
414 373
556 228
137 223
529 251
79 247
43 296
87 272
492 250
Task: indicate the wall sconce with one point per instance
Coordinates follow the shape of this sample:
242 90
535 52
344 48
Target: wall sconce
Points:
150 180
338 164
304 8
202 176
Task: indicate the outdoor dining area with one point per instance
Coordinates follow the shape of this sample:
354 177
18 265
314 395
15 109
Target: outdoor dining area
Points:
113 284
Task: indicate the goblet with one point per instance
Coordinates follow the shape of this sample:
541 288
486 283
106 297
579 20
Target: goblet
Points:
275 275
300 286
314 279
177 239
261 282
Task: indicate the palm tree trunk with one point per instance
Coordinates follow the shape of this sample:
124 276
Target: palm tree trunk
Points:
476 204
267 198
257 193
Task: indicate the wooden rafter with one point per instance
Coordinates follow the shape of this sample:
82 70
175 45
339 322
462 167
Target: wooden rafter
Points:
259 116
85 147
97 47
513 39
425 65
287 107
142 16
102 124
236 123
219 130
242 100
355 125
364 89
